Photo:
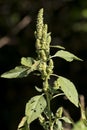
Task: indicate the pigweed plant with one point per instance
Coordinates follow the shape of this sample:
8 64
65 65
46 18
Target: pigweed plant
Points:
39 106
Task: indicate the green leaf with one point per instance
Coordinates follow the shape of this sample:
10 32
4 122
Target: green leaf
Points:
69 89
17 72
28 61
23 124
59 47
80 126
58 125
38 89
35 107
66 119
66 55
20 71
59 112
83 115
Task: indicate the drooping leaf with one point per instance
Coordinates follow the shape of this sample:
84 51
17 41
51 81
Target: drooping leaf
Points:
17 72
28 61
34 108
23 124
59 47
66 119
69 89
66 55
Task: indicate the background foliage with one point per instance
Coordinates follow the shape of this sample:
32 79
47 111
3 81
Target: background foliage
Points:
67 20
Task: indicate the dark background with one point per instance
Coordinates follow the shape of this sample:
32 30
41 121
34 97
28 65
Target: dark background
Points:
67 20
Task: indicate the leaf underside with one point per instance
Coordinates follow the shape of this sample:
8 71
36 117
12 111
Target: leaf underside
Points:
17 72
21 71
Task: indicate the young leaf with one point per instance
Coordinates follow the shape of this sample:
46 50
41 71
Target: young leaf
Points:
59 47
83 115
17 72
28 61
69 89
34 108
66 119
23 124
59 112
58 125
38 89
66 55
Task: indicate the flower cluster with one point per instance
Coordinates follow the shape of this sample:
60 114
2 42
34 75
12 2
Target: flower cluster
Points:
43 39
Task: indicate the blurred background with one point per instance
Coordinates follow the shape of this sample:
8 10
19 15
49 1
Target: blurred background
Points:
67 20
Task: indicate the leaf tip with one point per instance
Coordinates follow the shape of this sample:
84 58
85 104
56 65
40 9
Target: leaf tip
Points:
2 76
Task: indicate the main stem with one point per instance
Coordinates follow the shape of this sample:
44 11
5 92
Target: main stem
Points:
48 102
49 109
